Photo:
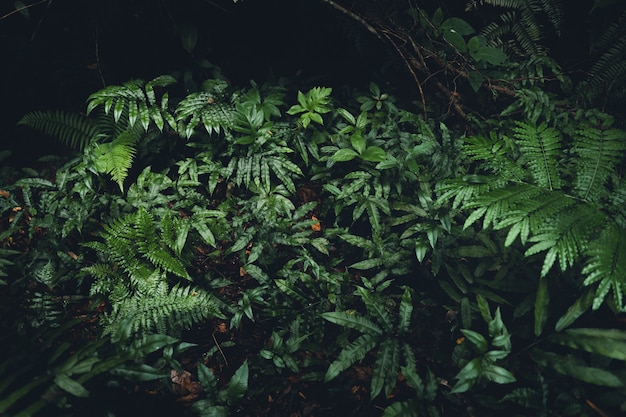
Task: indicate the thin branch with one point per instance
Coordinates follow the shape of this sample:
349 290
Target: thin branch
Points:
97 52
20 9
413 74
41 21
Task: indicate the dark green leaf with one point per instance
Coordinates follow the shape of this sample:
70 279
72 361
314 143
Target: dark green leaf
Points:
238 384
69 385
374 154
343 155
498 374
353 321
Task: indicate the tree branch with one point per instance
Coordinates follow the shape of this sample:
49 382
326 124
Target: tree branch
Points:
21 9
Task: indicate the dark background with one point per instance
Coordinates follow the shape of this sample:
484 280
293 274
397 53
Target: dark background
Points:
67 49
62 53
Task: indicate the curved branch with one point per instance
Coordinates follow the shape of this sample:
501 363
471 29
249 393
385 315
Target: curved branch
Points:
21 9
422 63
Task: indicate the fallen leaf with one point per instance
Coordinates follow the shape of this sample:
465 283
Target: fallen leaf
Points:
316 227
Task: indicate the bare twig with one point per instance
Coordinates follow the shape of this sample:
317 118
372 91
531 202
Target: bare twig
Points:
20 9
413 74
97 51
219 348
40 21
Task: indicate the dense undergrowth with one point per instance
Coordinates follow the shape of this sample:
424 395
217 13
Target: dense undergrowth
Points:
201 248
265 251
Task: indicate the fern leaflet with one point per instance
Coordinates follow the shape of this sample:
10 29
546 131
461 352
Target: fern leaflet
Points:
541 145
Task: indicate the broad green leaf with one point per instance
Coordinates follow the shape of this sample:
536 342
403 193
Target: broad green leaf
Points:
458 25
455 39
358 142
471 370
386 367
206 408
351 354
452 293
374 154
189 37
606 342
526 397
207 379
24 390
405 311
498 374
141 373
317 118
238 384
203 229
466 313
489 54
361 121
367 264
321 244
580 306
343 155
495 355
408 408
476 43
354 321
463 385
437 19
477 339
69 385
421 249
346 115
150 343
571 366
502 340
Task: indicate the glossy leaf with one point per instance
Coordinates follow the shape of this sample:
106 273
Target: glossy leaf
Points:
71 386
353 321
352 353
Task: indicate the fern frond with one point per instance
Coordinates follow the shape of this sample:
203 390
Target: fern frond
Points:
255 170
607 267
116 157
566 237
162 310
608 77
494 153
71 129
500 203
599 152
134 244
525 210
541 147
617 206
530 216
213 108
522 21
137 101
